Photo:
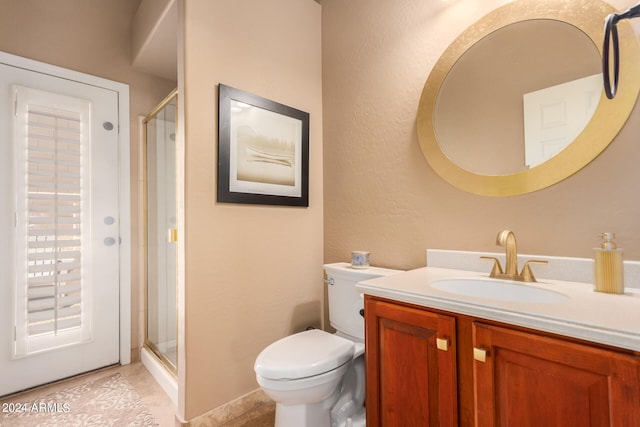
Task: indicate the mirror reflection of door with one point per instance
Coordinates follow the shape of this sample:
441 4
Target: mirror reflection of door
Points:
555 116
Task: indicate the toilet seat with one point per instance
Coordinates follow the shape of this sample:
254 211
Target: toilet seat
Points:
303 355
326 381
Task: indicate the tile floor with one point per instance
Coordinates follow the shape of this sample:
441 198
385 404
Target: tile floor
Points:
138 377
156 400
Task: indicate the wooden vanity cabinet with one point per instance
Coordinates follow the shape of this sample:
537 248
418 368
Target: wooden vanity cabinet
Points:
410 366
524 379
490 374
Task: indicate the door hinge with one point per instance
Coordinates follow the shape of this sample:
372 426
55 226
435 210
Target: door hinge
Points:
15 333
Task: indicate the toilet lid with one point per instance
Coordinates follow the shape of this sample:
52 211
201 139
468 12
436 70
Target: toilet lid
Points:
302 355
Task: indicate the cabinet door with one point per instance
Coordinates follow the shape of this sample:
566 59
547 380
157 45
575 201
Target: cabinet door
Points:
411 366
530 380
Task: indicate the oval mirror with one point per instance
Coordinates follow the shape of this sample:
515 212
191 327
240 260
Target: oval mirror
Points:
515 104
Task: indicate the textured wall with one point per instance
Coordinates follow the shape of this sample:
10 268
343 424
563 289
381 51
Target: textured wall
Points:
253 273
380 193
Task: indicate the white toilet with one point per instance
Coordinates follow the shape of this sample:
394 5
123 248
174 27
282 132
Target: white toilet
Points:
317 378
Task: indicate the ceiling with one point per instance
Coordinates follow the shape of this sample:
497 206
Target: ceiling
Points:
154 38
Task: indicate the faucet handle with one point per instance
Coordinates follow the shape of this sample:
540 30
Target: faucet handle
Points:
527 273
497 269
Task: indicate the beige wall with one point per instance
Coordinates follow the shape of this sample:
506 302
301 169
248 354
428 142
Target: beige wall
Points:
253 273
380 193
92 37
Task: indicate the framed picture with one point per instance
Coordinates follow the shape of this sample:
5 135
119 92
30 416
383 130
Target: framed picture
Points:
263 150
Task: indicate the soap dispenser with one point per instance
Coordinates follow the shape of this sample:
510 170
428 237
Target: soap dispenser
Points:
608 266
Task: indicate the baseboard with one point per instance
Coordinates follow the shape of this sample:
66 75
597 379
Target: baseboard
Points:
135 355
251 406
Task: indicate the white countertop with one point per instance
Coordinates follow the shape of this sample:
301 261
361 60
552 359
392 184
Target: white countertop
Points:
585 314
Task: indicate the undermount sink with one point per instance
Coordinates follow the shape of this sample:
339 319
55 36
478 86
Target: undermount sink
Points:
496 289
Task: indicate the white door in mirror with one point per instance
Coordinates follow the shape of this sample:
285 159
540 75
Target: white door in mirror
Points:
555 116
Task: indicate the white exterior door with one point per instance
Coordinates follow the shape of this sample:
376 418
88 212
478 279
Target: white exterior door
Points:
59 215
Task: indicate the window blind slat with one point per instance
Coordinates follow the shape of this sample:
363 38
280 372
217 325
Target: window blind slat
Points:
51 173
50 290
51 327
43 304
51 244
53 268
60 278
40 220
40 232
49 315
54 197
49 255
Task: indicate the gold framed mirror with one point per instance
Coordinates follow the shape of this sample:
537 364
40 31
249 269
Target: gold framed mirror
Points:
442 114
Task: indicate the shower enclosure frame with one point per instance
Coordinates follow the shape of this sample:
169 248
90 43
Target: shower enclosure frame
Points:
172 236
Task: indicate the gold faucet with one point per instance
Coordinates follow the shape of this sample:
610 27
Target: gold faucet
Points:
507 239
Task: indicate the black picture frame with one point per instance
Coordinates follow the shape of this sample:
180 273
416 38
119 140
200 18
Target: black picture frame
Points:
263 150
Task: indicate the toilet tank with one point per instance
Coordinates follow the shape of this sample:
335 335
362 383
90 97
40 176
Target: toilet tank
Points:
345 301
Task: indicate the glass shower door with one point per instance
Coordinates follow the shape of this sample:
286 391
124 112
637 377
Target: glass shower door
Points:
161 232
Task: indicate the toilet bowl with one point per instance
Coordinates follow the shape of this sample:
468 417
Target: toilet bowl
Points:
316 378
302 373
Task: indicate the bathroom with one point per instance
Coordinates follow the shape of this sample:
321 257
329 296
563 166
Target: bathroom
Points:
253 274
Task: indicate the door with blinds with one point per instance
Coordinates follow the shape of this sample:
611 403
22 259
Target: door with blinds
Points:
59 269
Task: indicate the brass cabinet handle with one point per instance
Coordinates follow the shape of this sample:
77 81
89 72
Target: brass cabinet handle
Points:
480 355
442 344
